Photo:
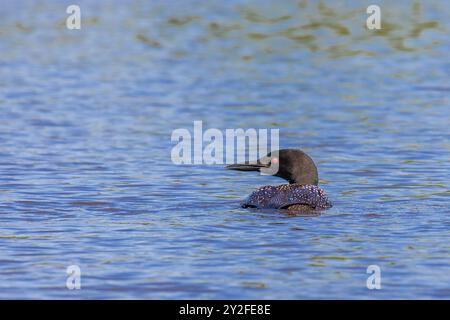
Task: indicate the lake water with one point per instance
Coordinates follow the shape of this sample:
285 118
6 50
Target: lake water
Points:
86 176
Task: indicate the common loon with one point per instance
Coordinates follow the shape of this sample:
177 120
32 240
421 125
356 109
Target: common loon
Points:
302 194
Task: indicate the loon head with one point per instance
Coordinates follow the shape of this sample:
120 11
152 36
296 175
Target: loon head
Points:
292 165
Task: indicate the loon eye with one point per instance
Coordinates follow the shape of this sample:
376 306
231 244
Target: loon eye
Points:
273 160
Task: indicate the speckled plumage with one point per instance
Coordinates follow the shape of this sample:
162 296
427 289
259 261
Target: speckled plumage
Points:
288 196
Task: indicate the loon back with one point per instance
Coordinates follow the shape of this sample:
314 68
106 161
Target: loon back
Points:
288 196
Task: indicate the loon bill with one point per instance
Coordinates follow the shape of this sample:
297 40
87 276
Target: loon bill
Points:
302 194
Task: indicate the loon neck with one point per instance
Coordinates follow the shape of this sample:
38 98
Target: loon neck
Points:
305 182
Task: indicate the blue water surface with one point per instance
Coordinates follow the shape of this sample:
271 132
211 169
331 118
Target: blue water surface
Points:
86 176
